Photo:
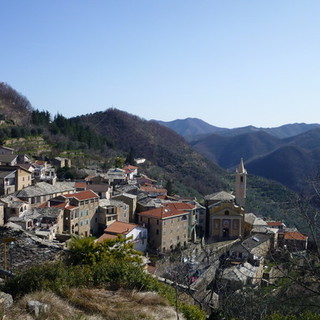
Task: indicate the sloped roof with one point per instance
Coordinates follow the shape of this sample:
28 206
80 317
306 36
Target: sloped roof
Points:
118 227
168 210
102 187
48 211
240 273
220 196
255 241
153 189
7 157
295 236
274 223
44 188
106 236
12 201
252 219
82 195
4 174
80 185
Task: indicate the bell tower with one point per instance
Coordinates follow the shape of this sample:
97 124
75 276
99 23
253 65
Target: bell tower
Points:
241 185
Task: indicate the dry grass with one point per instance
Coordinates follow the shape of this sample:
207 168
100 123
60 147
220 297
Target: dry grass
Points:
59 309
121 305
95 304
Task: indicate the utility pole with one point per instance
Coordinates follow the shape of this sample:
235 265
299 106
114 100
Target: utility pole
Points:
5 242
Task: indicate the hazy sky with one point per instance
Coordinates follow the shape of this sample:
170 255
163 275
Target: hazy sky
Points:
229 63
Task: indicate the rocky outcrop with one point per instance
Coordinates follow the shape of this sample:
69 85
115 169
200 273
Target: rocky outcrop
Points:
6 300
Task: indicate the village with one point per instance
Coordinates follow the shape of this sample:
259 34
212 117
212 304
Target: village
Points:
215 239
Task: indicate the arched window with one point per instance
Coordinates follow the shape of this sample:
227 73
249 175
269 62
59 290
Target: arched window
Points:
226 213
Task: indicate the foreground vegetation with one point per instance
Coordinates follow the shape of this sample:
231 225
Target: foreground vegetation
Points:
111 265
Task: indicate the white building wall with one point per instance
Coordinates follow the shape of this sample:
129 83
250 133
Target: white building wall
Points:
140 237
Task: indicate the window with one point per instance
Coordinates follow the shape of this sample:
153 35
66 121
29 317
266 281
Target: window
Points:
157 231
157 222
226 213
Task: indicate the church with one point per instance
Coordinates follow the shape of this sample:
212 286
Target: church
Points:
225 211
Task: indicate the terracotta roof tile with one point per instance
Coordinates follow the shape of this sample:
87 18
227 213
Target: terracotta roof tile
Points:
153 189
106 236
118 227
80 185
169 210
82 195
295 236
274 223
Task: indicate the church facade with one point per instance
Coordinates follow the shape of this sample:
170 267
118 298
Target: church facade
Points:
226 211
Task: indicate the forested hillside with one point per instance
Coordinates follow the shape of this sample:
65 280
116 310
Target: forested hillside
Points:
159 145
101 137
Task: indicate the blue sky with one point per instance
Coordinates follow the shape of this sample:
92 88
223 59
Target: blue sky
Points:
229 63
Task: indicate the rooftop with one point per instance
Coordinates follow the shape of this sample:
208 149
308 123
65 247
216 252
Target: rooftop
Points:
44 188
82 195
220 196
295 236
118 227
168 210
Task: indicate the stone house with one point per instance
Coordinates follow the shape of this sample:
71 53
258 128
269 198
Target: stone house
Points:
115 176
61 162
251 221
25 222
293 240
276 225
103 190
8 159
6 150
154 191
43 191
253 249
44 172
131 201
7 181
110 211
80 212
131 171
13 178
13 207
168 226
51 218
138 233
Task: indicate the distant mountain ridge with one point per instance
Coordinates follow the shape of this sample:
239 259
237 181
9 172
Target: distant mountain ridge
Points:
289 154
193 128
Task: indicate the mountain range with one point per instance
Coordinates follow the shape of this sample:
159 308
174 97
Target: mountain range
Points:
193 129
289 154
98 139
